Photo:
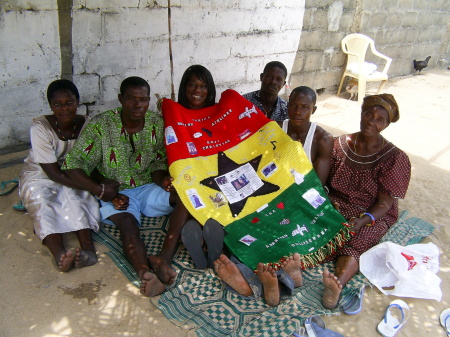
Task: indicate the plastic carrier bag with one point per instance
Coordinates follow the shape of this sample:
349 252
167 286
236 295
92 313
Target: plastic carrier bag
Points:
403 271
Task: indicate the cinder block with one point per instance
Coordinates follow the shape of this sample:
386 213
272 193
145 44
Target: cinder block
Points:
333 40
221 70
338 59
254 67
119 58
86 27
140 24
394 19
320 21
427 34
346 20
323 3
22 5
372 6
409 19
111 4
412 35
299 61
30 28
405 4
215 48
308 17
303 78
377 20
89 87
294 18
264 19
311 40
314 61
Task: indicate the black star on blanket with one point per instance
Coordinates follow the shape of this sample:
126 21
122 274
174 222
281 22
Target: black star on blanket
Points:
226 165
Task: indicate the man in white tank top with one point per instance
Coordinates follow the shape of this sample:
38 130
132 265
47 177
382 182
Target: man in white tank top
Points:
317 143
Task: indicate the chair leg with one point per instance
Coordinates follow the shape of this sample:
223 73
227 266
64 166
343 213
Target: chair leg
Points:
381 86
340 85
361 89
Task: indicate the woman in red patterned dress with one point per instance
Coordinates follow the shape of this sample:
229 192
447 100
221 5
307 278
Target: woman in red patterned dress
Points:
368 174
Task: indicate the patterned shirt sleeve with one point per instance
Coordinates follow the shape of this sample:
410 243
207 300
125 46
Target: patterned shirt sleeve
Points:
395 175
86 154
160 160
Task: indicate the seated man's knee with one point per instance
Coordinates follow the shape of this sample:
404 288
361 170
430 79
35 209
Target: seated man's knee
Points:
126 223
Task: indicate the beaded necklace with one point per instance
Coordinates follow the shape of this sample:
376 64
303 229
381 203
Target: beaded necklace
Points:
61 134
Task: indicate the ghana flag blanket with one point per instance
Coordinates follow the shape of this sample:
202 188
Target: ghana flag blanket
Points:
231 163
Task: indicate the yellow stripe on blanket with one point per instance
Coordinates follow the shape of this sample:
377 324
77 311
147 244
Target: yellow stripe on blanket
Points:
282 161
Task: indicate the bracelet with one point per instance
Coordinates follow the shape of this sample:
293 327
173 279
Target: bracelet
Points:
370 216
103 191
326 189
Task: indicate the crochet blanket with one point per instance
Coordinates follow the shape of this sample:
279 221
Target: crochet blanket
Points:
199 300
231 163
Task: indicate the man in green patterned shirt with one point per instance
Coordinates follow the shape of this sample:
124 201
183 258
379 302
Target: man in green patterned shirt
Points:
120 157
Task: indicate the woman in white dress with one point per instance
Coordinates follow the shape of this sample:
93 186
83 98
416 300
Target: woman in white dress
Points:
50 197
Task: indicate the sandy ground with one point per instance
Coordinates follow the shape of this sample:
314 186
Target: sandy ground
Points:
37 300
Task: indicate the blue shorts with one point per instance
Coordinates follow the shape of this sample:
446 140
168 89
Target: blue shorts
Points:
149 199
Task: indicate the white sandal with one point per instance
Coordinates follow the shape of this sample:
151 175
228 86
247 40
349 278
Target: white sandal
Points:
445 320
391 323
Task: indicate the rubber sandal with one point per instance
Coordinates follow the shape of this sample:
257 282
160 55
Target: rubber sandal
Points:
300 333
191 235
445 320
19 207
4 190
315 327
397 313
354 304
213 235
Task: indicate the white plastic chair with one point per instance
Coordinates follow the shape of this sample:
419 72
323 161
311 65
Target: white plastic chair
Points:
355 46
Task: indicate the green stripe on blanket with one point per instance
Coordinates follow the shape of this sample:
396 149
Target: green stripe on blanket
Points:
200 301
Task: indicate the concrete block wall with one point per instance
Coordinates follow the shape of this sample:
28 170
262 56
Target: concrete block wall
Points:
30 59
408 30
403 30
113 39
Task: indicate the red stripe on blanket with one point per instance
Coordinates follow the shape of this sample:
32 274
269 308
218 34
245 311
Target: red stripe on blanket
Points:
207 131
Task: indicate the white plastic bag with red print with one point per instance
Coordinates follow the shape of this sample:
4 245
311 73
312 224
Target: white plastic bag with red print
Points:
403 271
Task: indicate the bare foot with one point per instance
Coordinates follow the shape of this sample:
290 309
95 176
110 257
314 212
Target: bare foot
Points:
162 269
293 267
332 290
65 262
268 278
84 258
231 275
150 285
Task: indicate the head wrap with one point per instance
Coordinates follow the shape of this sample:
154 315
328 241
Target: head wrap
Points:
387 101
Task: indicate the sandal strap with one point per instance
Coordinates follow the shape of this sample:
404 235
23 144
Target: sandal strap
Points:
401 310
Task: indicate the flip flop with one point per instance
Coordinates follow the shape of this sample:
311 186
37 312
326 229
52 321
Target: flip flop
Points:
315 327
4 190
191 235
391 323
354 304
445 320
213 235
19 206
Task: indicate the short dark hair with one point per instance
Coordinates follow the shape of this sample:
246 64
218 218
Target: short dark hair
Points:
62 85
277 64
305 91
133 81
205 76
